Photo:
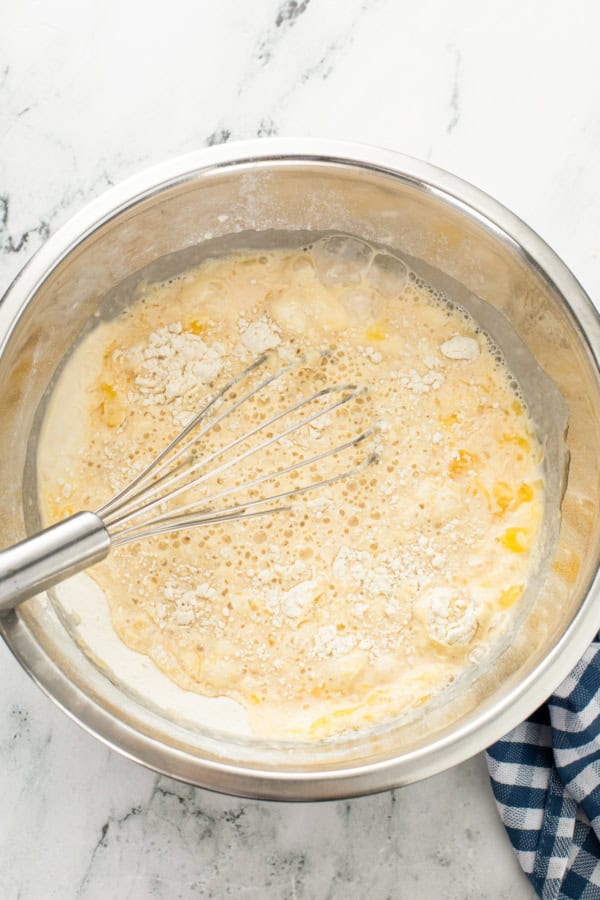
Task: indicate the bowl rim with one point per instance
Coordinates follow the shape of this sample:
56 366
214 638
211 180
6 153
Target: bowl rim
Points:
330 782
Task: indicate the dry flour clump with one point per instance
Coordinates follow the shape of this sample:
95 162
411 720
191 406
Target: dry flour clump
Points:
293 603
422 384
460 347
451 618
367 596
259 336
181 605
328 642
171 364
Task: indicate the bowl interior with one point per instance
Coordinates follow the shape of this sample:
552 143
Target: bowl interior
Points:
92 272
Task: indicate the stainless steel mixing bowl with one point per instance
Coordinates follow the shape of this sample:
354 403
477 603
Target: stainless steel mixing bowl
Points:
161 220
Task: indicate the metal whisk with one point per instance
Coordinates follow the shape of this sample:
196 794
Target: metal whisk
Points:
140 509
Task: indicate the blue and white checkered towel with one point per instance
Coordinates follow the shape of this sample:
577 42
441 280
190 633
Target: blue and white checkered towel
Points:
546 780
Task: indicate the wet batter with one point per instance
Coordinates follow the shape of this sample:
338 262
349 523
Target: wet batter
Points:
368 597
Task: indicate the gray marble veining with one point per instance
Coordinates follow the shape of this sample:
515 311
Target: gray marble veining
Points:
507 96
79 821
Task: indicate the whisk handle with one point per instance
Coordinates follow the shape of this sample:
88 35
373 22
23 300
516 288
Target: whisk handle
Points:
41 561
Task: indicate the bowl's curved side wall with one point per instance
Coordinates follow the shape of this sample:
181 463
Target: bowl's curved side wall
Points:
421 211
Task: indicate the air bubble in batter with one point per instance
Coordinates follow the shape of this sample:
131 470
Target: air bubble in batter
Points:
341 260
388 275
360 304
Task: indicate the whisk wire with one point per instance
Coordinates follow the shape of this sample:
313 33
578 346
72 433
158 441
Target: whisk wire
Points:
156 464
134 534
163 488
168 475
168 522
85 538
205 516
280 473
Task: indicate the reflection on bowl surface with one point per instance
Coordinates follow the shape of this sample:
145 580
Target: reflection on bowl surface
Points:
249 197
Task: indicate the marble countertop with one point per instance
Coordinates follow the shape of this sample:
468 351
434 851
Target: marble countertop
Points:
507 95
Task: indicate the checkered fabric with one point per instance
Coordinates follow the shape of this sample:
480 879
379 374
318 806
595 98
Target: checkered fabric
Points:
546 780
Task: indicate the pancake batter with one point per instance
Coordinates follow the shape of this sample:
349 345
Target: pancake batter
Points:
370 596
